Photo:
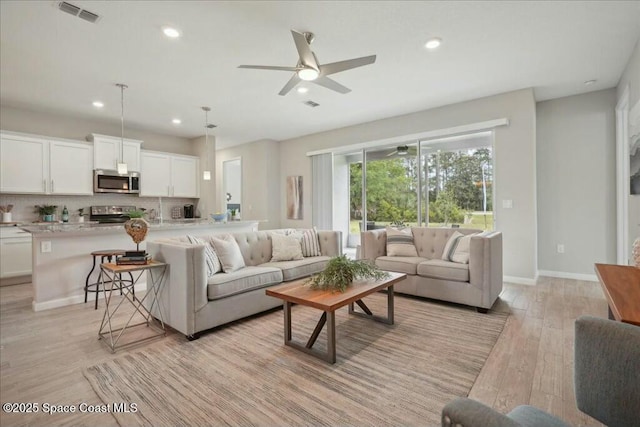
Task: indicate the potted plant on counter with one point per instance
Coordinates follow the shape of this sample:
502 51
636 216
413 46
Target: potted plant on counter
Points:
46 212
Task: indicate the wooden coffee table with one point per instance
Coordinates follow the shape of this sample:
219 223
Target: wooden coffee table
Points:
621 286
298 292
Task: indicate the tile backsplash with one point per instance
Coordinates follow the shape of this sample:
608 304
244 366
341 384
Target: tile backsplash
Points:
24 205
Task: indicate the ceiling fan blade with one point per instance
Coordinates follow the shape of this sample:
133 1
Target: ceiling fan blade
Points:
336 67
268 67
304 50
393 153
331 84
293 81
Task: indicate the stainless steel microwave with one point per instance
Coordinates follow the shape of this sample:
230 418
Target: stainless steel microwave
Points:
110 181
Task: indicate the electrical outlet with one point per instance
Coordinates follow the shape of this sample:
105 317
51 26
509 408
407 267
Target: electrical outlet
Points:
45 246
560 248
507 204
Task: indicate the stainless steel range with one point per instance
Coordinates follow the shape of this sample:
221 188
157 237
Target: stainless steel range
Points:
110 214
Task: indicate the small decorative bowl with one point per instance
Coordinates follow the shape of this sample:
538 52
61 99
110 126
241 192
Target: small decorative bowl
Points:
219 217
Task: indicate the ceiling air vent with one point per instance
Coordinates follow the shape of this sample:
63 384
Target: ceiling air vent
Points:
76 11
69 8
311 104
88 16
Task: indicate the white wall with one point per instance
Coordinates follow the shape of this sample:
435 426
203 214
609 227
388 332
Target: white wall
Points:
207 201
514 156
576 183
260 180
631 78
61 126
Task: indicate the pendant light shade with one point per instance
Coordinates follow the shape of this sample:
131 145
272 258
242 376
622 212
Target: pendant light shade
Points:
206 174
122 166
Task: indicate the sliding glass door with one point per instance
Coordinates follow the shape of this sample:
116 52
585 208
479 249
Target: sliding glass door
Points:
440 183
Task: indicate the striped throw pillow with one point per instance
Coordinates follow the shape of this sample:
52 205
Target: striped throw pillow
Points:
400 242
210 256
457 248
309 242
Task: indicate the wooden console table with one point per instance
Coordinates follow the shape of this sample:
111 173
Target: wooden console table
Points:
621 286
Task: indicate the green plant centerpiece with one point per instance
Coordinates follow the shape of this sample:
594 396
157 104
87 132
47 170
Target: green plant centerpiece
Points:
341 271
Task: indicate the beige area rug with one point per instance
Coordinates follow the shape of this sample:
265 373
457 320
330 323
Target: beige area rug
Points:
242 374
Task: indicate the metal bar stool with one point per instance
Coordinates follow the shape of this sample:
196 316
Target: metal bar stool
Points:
95 286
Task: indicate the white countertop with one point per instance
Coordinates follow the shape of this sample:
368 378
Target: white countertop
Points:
93 228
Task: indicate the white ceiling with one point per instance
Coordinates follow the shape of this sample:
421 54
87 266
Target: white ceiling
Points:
53 61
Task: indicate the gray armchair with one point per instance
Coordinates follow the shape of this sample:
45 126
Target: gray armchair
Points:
606 377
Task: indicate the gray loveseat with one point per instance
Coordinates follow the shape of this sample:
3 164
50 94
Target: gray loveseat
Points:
477 283
191 302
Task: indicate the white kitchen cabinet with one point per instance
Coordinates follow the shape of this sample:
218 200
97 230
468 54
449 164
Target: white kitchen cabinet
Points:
106 152
168 175
32 164
25 165
15 252
155 175
70 168
184 176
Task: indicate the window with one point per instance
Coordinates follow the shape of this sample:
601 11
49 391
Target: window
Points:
443 182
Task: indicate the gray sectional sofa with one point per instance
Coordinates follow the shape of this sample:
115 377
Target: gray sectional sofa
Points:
477 283
191 302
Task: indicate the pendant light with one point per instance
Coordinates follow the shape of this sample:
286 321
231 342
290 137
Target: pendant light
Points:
122 166
206 174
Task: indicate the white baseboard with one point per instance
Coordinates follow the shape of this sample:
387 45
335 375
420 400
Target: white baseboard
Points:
76 299
519 280
565 275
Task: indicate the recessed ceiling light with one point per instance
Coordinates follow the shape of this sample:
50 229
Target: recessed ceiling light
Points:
303 90
171 32
433 43
590 82
176 121
98 104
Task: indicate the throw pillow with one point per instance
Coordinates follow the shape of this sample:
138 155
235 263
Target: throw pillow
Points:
457 248
285 248
229 253
400 242
309 242
210 257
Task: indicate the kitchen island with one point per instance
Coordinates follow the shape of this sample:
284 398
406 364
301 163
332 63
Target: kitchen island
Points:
61 252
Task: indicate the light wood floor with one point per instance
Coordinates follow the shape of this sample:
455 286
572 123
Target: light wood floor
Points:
42 354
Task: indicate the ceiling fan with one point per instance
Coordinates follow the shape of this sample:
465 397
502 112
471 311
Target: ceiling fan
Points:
403 150
308 68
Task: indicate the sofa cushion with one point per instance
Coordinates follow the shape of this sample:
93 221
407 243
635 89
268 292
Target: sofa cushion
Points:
285 248
228 252
210 257
309 242
400 242
246 279
292 270
457 248
440 269
400 264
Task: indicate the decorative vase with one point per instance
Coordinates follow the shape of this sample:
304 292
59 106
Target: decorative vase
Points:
636 252
137 229
48 218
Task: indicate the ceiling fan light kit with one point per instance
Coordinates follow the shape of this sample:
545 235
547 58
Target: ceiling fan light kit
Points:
308 68
308 74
